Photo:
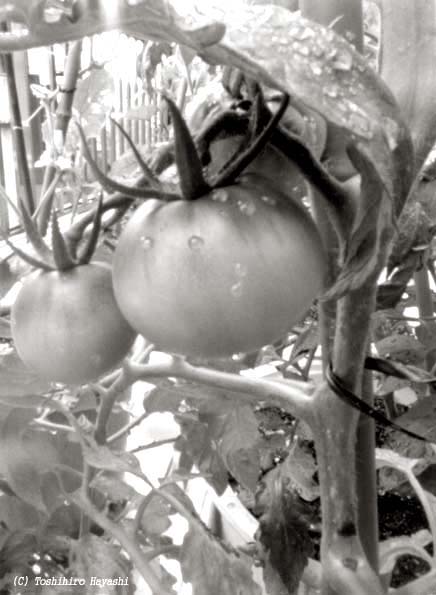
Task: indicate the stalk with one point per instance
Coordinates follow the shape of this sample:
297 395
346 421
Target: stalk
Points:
63 116
17 131
341 435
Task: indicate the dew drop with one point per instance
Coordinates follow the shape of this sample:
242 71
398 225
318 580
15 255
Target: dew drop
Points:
269 200
343 61
220 195
331 91
304 50
247 207
316 68
195 242
147 242
240 270
236 289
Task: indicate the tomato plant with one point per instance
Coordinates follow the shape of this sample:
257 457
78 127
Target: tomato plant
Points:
226 273
67 326
223 259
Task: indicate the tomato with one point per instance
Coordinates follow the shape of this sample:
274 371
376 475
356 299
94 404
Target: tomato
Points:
226 273
67 326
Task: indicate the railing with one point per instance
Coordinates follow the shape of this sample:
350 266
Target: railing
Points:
135 107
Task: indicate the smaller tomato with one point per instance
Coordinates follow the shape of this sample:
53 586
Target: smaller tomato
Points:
67 326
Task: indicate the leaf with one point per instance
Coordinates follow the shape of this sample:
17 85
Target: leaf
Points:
238 446
93 98
415 231
408 39
27 458
197 448
155 519
102 457
389 293
299 470
324 71
15 514
403 348
283 533
94 557
211 568
18 383
114 488
421 417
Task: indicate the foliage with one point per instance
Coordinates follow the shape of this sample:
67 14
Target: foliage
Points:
264 428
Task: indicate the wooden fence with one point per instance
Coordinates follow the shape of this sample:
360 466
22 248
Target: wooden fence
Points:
130 101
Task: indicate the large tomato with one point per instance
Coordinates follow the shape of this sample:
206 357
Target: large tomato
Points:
67 326
228 272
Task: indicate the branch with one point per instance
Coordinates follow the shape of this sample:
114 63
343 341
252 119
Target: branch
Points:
127 542
292 396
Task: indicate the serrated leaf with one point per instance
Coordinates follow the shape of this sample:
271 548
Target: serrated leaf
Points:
95 557
196 447
155 519
102 457
18 382
403 348
212 569
93 98
27 458
283 531
238 446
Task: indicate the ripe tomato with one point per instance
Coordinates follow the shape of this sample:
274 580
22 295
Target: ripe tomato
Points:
67 326
226 273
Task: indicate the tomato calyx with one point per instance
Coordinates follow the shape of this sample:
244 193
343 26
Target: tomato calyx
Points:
62 256
193 184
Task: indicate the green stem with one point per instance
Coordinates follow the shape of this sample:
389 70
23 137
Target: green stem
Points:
63 116
17 130
366 485
336 438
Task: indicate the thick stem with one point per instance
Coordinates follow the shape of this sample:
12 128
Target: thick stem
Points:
17 130
63 116
366 484
335 437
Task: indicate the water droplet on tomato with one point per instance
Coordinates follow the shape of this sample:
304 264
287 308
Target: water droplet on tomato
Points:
236 289
195 242
147 242
220 195
343 60
269 200
331 91
240 270
316 68
247 207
